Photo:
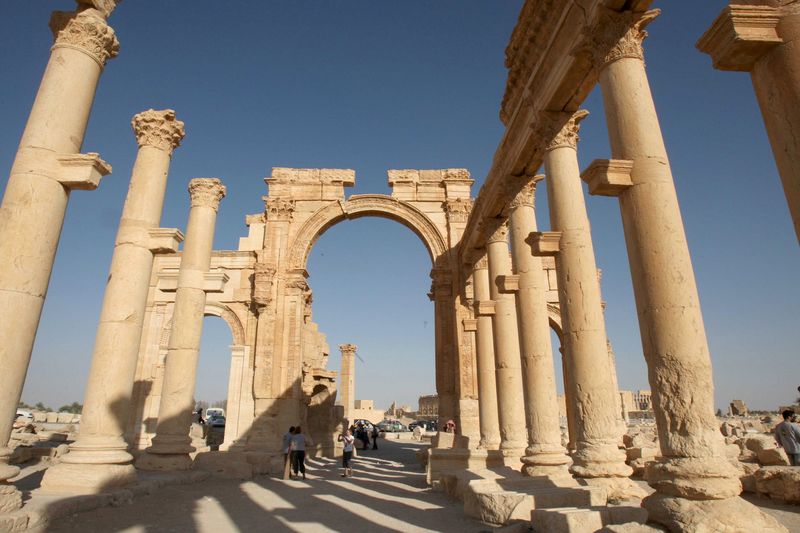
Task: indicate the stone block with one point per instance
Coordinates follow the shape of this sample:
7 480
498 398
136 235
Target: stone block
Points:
443 440
647 453
51 418
780 483
64 418
566 520
39 416
774 456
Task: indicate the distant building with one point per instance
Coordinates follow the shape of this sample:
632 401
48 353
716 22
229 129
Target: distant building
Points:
637 404
365 410
429 406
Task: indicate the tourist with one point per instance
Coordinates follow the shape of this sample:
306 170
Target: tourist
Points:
287 442
375 434
298 451
450 427
347 456
787 433
365 436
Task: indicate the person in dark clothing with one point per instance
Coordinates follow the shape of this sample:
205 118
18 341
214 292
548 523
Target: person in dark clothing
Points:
375 434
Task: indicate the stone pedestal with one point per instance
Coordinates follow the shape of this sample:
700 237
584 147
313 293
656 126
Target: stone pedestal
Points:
764 39
591 382
508 371
172 444
694 468
101 450
46 168
484 341
544 455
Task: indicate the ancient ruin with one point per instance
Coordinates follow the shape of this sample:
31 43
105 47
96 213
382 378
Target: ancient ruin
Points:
498 287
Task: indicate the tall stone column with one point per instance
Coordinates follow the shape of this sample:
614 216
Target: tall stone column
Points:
591 380
694 470
484 340
764 39
508 366
446 344
347 378
47 167
99 458
172 445
544 455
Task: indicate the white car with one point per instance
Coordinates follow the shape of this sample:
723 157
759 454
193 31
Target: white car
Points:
24 413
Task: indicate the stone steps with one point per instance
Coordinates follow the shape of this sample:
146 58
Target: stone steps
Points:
628 519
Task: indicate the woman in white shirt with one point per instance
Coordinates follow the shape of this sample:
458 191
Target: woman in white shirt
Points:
298 447
348 441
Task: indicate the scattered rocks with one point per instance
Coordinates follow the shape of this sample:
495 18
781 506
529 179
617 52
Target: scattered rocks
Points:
780 483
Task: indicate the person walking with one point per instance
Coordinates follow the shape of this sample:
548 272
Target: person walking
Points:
349 443
375 434
787 434
298 451
287 443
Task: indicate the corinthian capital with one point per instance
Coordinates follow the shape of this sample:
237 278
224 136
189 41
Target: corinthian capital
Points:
568 136
616 35
85 31
206 192
527 194
104 6
158 129
348 348
500 233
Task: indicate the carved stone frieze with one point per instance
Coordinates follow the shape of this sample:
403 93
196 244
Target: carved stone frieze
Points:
616 35
158 129
264 277
206 192
458 209
85 31
568 136
279 209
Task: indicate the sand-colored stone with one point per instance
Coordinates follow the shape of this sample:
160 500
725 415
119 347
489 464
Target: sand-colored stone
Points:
47 166
347 377
172 445
544 455
591 382
106 406
508 371
484 340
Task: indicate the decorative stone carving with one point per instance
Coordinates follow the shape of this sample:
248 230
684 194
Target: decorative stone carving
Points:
206 192
158 129
500 234
279 209
568 136
296 282
527 195
84 31
458 209
482 263
104 6
616 35
262 286
257 218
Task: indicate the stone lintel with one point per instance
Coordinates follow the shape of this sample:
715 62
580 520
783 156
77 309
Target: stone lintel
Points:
544 242
164 240
741 35
213 281
484 308
608 177
470 324
508 283
81 171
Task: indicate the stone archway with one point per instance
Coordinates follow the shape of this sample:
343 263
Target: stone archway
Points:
365 205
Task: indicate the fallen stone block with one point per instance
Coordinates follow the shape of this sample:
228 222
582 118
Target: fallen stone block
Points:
51 418
566 520
648 453
781 483
774 456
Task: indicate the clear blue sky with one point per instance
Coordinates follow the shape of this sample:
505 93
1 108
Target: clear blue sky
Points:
373 85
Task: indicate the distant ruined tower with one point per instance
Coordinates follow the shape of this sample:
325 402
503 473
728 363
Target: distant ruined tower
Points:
347 378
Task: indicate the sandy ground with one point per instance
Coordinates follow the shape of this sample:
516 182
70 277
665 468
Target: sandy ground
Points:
387 493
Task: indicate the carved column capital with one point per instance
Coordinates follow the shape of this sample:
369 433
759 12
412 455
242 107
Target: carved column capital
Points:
263 277
349 349
158 129
279 209
568 136
616 35
527 194
85 31
482 263
104 6
500 233
457 209
206 192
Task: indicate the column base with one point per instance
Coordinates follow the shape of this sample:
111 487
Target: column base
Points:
10 498
697 478
731 514
617 488
512 457
164 462
87 478
542 463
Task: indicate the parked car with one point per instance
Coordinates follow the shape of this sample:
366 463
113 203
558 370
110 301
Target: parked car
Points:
211 412
24 413
426 425
216 421
392 426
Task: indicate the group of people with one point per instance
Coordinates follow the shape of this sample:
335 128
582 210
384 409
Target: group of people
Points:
294 451
787 434
363 433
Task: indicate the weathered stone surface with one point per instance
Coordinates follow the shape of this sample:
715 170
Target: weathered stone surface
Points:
780 483
733 515
225 465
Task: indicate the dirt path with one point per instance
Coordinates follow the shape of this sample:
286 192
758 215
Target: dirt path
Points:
387 493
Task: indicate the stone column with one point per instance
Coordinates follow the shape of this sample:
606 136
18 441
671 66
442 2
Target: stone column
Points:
764 39
590 383
694 470
347 378
484 341
99 458
46 168
544 455
508 371
446 344
172 445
